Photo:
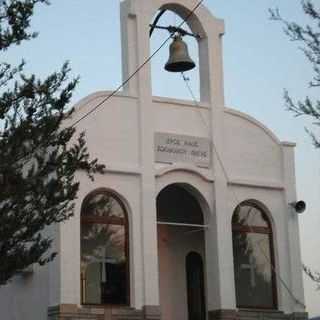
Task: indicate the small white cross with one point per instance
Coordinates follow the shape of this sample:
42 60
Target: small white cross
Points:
251 266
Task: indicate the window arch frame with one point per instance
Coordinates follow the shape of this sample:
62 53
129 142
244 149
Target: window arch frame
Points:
104 220
185 192
258 230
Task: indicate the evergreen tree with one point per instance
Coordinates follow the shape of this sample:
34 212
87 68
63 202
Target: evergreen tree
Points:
39 155
308 37
313 275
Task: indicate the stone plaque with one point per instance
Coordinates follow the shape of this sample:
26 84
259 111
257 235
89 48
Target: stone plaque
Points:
170 148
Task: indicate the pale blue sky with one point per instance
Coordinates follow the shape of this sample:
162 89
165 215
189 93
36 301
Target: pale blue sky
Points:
259 61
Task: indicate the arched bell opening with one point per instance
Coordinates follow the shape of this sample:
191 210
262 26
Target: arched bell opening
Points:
166 81
180 229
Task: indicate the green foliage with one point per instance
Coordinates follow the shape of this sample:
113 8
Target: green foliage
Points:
39 155
308 37
313 275
15 20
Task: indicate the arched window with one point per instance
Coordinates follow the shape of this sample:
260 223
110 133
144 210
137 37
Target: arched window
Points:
253 258
104 250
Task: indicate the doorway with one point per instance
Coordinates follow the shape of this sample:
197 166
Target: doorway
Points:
195 286
181 249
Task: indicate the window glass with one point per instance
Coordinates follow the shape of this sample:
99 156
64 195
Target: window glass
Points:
253 259
104 278
249 215
103 205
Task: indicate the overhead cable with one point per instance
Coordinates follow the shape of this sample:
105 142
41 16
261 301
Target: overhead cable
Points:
219 158
114 92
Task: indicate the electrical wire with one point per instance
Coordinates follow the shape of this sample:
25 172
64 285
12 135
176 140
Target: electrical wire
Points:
293 297
114 92
139 67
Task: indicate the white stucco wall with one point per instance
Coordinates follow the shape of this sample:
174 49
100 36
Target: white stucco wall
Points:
174 244
257 173
26 296
107 131
248 162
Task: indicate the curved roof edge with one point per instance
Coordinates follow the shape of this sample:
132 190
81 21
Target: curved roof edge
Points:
83 102
288 144
255 122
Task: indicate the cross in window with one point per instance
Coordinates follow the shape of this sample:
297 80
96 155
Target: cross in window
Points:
251 267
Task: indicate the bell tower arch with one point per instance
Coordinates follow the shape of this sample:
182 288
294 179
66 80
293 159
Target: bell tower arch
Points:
135 20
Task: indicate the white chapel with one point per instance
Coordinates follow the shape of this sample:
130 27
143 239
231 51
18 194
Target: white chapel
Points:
195 217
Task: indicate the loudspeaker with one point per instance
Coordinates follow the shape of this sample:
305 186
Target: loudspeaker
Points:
299 206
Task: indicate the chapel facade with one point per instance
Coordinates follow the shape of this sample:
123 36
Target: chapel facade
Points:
192 220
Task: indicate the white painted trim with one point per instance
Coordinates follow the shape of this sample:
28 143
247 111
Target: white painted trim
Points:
183 224
276 185
182 103
123 170
288 144
205 174
84 102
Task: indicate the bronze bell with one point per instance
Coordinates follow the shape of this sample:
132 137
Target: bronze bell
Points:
179 59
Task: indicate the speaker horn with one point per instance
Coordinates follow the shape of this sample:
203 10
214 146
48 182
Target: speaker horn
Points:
299 206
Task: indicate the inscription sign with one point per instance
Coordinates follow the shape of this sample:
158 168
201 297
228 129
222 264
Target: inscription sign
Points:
170 148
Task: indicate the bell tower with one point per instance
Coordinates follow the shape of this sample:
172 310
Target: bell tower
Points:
135 20
136 16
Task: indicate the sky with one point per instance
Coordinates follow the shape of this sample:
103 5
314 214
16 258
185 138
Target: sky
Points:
259 62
